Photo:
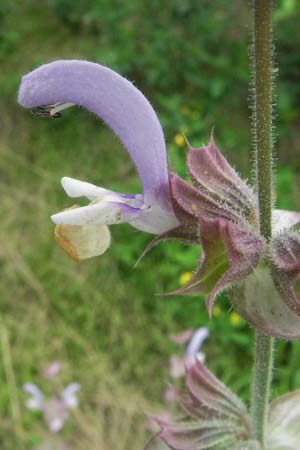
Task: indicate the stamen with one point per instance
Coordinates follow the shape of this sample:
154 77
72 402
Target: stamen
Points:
39 111
51 110
59 107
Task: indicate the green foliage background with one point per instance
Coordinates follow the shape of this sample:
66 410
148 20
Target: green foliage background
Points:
102 318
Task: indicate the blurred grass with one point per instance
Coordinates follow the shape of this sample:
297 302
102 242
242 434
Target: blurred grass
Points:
101 318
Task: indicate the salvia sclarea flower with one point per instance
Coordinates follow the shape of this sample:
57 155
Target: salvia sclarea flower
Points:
83 232
218 210
214 418
56 408
194 340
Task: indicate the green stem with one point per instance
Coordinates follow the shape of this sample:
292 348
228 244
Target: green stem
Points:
261 383
263 105
262 121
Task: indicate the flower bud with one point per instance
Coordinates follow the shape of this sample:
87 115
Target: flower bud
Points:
259 302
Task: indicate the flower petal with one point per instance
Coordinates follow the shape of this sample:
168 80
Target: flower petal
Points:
196 343
115 100
114 208
68 395
76 188
82 242
55 414
52 370
177 366
36 401
182 337
152 219
104 212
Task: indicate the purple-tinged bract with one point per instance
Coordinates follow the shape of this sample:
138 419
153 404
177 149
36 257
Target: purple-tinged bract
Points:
214 417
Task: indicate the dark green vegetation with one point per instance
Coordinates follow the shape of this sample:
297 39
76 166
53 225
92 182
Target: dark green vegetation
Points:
102 318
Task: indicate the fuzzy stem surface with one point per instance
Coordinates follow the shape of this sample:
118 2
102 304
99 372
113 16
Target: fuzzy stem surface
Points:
261 384
262 66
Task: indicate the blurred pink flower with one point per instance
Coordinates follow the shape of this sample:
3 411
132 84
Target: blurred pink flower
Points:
177 366
169 394
183 337
52 369
177 363
55 408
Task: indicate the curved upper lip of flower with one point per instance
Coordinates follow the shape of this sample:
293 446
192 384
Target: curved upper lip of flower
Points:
128 113
115 100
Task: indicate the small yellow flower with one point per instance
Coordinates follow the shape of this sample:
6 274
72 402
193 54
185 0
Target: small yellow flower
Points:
235 319
216 311
179 140
185 277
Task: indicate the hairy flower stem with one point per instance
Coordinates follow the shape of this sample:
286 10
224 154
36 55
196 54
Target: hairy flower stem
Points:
262 377
262 121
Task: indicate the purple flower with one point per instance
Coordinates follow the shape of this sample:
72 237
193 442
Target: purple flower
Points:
69 397
218 210
83 231
192 350
182 337
55 408
36 399
177 363
52 370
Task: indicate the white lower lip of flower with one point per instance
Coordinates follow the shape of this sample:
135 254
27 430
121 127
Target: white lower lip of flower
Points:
112 208
82 242
109 207
99 212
